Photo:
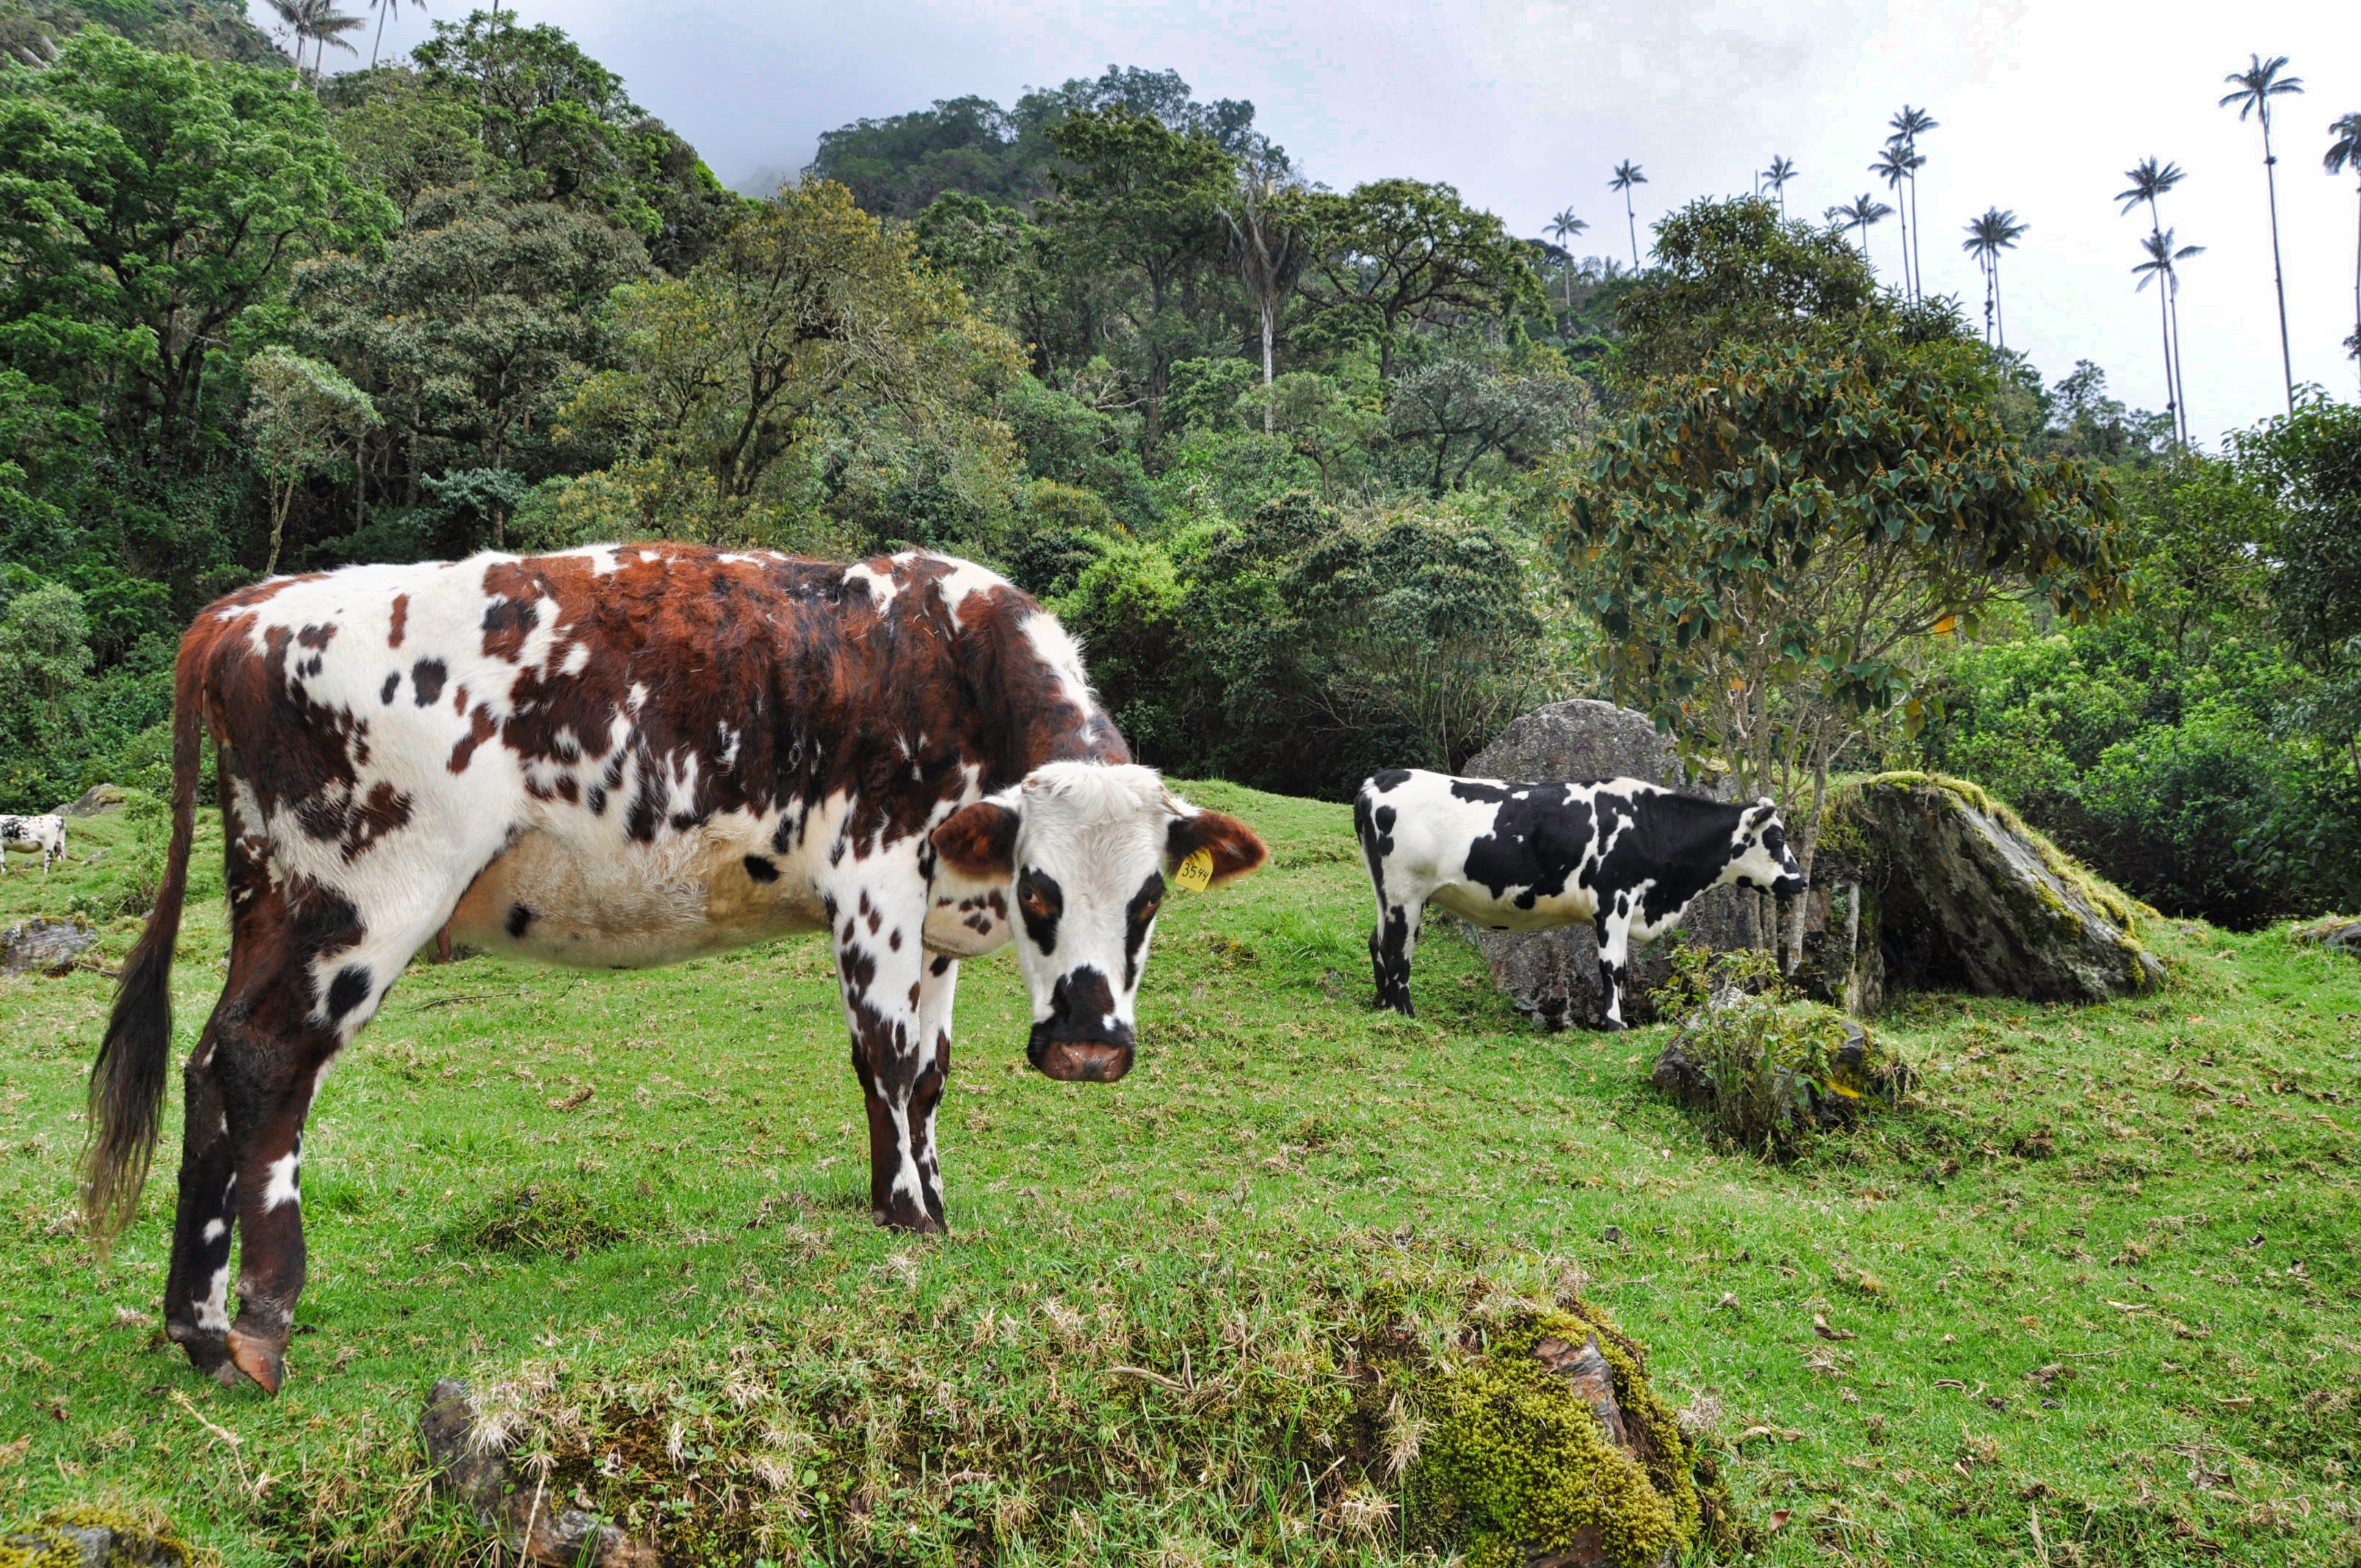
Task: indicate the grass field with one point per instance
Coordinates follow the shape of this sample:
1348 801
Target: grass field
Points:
2093 1290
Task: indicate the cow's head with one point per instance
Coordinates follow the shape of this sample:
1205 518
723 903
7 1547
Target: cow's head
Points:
1759 856
1089 848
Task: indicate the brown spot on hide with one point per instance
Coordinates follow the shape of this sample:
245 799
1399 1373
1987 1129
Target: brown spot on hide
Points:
400 620
480 729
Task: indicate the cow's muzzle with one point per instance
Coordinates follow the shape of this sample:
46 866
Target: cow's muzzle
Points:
1081 1041
1791 887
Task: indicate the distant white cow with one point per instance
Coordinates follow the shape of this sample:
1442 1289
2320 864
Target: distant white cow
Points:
47 834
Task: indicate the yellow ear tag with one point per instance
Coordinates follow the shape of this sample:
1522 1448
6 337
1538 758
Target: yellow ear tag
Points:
1196 873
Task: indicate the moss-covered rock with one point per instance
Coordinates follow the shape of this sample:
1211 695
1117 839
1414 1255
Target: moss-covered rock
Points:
1924 882
92 1538
2336 933
1551 1448
1767 1075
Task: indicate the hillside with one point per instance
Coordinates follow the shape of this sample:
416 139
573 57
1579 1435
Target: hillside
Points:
2092 1292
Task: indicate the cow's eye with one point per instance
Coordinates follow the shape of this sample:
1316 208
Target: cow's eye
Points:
1029 898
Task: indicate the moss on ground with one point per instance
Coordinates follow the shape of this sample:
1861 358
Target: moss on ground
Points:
1518 1462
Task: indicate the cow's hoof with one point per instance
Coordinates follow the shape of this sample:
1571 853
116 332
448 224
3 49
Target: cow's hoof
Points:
262 1359
910 1222
208 1352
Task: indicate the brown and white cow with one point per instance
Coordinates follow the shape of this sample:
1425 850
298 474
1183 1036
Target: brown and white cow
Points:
616 757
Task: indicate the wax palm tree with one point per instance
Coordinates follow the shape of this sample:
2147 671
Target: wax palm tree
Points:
1865 210
2162 267
2344 153
1270 249
1908 127
318 24
1627 174
381 7
2150 180
1996 231
1776 177
2252 90
1566 226
1896 164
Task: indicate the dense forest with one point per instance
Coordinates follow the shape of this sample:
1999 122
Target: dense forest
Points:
1324 479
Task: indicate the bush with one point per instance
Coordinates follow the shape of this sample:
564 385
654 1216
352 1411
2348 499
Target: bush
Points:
1765 1073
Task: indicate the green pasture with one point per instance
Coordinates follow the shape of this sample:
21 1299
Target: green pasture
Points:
2089 1299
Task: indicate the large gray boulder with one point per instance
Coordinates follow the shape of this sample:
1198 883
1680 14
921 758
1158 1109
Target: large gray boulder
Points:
52 946
1923 882
1553 975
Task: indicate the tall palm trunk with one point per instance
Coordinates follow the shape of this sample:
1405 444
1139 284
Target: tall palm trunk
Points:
1918 251
2357 349
2164 314
1632 221
2279 274
380 41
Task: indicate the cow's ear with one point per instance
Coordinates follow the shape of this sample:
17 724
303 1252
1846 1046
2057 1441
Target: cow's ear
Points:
1234 847
979 842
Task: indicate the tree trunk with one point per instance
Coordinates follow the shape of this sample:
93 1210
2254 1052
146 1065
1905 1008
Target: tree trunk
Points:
2279 274
1807 837
281 501
1269 412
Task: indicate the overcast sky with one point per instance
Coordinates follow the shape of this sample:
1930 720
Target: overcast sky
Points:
1526 106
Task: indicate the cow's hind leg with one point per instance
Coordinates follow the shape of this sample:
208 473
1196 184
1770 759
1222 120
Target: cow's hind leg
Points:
196 1291
1392 944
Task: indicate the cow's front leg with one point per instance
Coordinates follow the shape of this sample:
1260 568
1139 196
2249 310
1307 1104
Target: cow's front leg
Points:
900 1043
1614 964
1392 944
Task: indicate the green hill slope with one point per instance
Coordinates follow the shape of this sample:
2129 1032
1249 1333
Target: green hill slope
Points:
2097 1281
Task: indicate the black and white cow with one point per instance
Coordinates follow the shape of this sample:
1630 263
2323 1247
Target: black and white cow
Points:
1623 854
616 757
45 834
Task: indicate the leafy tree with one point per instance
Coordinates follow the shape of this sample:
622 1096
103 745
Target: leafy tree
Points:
810 309
1147 199
45 662
1735 269
2310 463
470 328
565 127
151 208
1772 543
1465 409
301 417
1411 624
1396 253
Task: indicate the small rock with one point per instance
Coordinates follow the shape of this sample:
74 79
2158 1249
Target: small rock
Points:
92 1545
1612 1235
2337 933
50 946
526 1519
95 801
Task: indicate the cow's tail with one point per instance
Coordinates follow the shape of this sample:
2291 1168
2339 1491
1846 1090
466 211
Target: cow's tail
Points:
127 1083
